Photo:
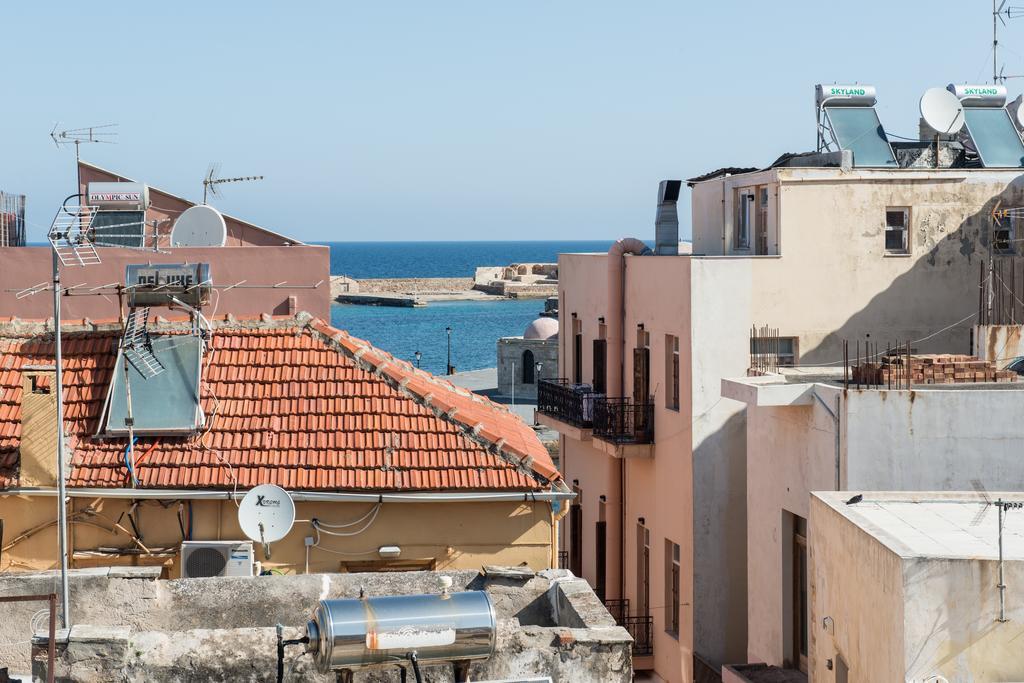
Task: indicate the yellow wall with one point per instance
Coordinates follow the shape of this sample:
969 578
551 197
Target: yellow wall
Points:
456 535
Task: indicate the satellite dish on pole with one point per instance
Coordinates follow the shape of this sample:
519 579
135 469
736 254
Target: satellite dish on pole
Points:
199 226
942 110
266 514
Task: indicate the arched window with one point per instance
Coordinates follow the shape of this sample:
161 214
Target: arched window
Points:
528 367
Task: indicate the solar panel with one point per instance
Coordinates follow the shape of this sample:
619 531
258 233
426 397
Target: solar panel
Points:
165 403
859 130
995 137
119 229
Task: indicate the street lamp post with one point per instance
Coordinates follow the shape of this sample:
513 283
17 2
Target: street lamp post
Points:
419 356
451 370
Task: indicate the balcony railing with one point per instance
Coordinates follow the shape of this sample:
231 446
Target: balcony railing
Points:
621 420
619 609
563 559
642 631
569 403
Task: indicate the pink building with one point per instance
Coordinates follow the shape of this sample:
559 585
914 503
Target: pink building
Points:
654 449
271 273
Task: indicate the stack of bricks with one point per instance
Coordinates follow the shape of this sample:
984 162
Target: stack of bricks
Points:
936 368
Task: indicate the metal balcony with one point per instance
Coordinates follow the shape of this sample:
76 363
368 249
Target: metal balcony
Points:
642 631
563 559
622 421
566 402
619 609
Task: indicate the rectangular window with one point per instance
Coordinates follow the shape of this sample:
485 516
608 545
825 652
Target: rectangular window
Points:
398 565
672 372
672 588
897 230
643 570
744 218
784 350
577 351
1004 235
800 606
761 227
600 365
601 555
576 534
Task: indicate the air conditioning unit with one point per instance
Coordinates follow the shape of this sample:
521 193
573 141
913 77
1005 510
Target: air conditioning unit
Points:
200 559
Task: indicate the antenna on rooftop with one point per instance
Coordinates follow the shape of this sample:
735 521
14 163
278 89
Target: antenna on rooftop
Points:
1000 13
211 181
1003 506
79 136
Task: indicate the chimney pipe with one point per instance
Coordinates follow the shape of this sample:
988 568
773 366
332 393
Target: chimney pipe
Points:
666 220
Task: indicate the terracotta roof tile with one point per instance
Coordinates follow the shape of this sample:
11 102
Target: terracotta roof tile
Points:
298 403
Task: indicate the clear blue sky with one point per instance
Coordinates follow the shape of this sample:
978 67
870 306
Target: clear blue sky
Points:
457 120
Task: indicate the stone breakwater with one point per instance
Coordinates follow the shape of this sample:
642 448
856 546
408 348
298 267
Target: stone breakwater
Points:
420 289
417 285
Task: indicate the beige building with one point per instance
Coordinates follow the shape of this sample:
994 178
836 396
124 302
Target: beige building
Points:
655 450
907 588
806 431
376 453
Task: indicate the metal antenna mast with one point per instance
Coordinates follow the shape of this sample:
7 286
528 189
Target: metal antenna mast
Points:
1000 13
77 136
211 181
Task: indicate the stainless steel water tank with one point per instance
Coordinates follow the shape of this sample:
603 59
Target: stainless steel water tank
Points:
450 627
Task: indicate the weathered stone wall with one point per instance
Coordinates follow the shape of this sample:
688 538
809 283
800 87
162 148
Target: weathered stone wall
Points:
132 627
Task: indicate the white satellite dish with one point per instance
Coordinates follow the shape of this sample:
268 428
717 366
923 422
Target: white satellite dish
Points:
942 110
266 514
199 226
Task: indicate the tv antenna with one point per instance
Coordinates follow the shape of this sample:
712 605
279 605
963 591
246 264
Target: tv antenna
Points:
1000 13
211 181
80 136
1003 506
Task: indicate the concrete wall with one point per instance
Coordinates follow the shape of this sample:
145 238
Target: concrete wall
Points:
510 365
857 601
950 625
453 535
924 440
934 440
1000 344
302 271
790 452
893 617
134 628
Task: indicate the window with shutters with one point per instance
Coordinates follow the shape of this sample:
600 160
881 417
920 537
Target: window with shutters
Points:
601 554
600 365
577 351
672 598
897 230
671 372
576 534
643 570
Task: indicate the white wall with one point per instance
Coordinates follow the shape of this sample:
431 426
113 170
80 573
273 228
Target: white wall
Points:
935 439
857 601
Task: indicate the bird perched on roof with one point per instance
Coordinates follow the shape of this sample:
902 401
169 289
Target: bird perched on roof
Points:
856 499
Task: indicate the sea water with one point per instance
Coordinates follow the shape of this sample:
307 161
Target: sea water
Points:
476 325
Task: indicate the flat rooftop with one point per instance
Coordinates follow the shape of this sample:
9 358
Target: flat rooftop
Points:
949 525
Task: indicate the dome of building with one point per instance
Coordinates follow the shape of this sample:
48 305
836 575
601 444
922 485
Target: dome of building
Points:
541 328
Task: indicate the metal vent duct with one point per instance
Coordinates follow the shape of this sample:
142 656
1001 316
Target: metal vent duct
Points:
666 220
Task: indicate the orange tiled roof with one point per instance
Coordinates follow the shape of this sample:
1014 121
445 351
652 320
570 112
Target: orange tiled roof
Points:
290 401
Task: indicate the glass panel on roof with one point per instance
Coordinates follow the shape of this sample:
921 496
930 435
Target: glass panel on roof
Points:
167 403
994 137
859 130
119 228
